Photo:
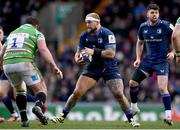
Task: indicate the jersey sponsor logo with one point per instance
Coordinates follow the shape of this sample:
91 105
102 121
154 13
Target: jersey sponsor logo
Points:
24 35
34 77
159 31
111 39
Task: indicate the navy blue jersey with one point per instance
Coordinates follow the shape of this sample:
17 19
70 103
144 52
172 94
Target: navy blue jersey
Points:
157 40
103 39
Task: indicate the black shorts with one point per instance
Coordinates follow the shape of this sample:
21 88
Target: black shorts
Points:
106 74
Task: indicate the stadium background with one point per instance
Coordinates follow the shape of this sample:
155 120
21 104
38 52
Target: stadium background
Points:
62 21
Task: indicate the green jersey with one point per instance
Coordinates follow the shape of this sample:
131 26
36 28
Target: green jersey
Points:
178 21
21 45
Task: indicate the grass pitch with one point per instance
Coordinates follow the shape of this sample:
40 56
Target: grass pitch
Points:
90 125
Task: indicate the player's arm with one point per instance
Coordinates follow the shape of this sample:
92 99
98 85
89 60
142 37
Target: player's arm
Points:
109 50
176 39
44 51
139 49
2 51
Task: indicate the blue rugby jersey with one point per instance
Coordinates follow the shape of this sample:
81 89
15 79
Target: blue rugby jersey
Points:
157 40
103 39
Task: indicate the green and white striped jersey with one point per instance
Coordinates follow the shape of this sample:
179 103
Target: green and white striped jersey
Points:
21 45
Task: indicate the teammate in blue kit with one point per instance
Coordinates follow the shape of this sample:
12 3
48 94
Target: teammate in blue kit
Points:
100 43
156 35
5 88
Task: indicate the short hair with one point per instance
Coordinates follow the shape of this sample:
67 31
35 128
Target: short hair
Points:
32 20
153 6
1 27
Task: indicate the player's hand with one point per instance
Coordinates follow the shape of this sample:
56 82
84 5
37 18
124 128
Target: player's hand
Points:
58 72
78 59
137 63
170 56
89 51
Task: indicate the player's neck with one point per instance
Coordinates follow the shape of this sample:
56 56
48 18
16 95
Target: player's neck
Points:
151 23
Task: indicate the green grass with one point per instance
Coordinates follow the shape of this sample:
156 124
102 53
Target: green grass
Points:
90 125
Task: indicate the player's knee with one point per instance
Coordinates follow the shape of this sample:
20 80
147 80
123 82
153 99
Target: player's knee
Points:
133 83
1 95
163 90
138 76
20 89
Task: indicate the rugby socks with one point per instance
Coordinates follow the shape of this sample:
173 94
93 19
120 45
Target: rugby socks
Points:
166 98
21 102
8 103
40 99
65 111
129 115
134 91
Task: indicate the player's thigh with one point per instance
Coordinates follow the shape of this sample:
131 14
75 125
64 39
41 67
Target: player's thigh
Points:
83 84
33 79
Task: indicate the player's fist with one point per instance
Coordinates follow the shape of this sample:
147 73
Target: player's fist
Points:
136 63
58 72
78 59
170 56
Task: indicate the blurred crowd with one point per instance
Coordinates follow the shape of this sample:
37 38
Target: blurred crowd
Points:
123 17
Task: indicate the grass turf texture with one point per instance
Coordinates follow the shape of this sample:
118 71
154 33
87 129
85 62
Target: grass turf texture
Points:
90 125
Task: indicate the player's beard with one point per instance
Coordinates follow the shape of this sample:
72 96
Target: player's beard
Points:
154 20
92 30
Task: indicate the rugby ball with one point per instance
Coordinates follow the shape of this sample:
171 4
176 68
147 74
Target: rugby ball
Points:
85 57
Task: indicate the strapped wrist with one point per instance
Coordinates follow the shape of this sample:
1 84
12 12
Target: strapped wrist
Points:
97 52
177 54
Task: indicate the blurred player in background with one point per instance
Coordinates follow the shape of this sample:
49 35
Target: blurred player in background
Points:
176 40
100 43
18 64
156 35
5 88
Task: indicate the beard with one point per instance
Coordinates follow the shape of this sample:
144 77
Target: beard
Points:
92 30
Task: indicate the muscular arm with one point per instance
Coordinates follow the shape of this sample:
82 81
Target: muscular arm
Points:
108 53
139 48
176 38
44 51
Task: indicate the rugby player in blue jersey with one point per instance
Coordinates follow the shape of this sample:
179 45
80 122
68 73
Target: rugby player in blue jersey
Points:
100 43
156 35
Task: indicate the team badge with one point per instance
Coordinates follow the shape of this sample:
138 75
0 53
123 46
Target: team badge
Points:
100 40
112 39
159 31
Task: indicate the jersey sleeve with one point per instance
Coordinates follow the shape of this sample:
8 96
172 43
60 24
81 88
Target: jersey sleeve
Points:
140 33
110 40
40 36
81 42
178 21
169 26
